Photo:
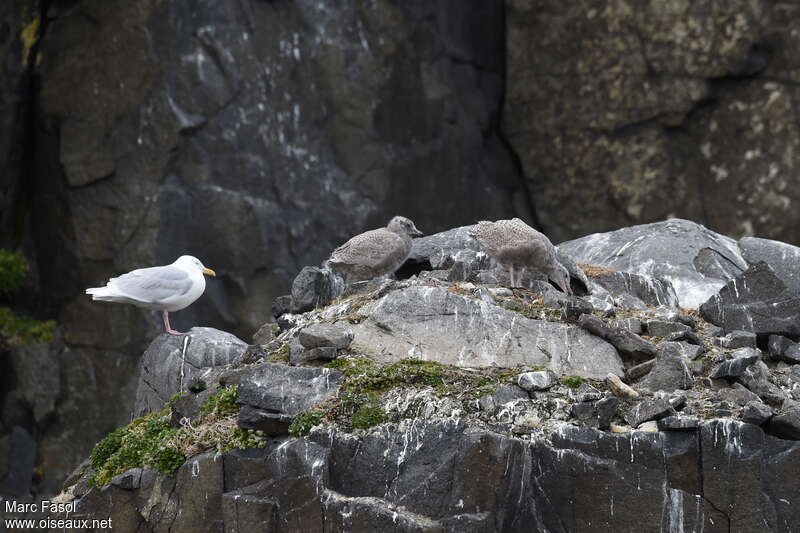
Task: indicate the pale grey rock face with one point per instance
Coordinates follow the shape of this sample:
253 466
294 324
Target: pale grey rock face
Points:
696 261
173 363
436 324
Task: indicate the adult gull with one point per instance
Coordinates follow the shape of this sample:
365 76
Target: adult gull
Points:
164 288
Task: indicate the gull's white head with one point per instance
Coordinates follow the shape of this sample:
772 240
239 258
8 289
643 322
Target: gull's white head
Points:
190 264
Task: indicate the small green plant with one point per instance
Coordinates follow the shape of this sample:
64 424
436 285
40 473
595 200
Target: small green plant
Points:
13 269
140 443
367 416
150 441
222 402
18 330
279 356
302 423
573 382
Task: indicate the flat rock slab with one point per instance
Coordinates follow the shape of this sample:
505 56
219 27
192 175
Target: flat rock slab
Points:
758 301
173 362
695 260
289 390
434 324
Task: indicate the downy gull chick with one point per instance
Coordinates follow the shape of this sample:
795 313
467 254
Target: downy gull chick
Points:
164 288
375 253
513 243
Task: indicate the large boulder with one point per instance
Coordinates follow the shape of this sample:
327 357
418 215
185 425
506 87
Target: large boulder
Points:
757 301
438 325
696 261
173 363
782 258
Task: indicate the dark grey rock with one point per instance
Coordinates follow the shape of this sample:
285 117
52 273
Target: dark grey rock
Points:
501 396
757 301
678 423
665 251
441 250
245 467
756 378
792 354
128 480
606 411
631 347
733 368
737 339
321 335
782 258
786 423
585 412
777 345
314 287
20 459
277 388
647 410
670 372
738 394
246 512
642 369
632 324
536 381
299 356
281 305
273 424
188 405
662 328
37 369
172 363
266 333
756 413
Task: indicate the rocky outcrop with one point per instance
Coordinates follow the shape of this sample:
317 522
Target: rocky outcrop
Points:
433 323
433 476
694 260
173 364
259 137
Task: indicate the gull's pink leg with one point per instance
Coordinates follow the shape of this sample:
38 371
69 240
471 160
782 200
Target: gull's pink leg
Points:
166 325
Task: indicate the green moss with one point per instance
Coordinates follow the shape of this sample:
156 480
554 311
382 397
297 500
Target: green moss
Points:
140 444
302 423
546 352
13 269
18 330
280 356
107 447
573 382
222 402
150 441
367 416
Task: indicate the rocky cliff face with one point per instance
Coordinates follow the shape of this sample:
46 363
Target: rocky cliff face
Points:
445 402
629 112
259 135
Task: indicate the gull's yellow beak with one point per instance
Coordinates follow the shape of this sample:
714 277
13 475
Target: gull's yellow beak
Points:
209 272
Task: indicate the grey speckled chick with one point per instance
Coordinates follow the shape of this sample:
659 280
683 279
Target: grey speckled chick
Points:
375 253
513 243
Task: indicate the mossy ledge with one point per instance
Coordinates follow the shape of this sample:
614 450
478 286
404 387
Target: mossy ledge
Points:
366 383
150 441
